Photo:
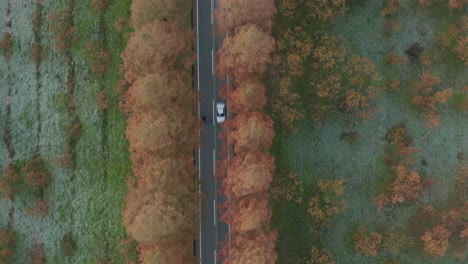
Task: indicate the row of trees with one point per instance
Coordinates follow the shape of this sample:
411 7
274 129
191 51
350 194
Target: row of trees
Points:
246 178
161 212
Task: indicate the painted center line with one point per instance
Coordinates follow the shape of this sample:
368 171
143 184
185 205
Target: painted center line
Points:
215 256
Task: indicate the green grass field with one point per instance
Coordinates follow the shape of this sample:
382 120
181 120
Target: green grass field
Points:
84 221
317 152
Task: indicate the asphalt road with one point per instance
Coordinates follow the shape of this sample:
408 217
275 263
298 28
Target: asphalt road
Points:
212 229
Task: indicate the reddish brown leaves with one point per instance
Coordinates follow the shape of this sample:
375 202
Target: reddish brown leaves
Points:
249 174
367 243
154 47
249 96
252 132
251 247
245 54
248 213
436 241
230 14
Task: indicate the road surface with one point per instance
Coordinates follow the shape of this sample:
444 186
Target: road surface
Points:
212 229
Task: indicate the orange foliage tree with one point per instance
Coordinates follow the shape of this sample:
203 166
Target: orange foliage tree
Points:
245 54
425 97
230 14
155 216
408 186
257 246
436 240
248 213
147 11
158 92
155 46
168 252
252 132
160 134
327 203
367 244
248 174
248 96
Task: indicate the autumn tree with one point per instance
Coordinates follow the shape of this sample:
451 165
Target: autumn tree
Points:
245 54
252 132
367 243
297 43
426 97
341 82
287 186
436 241
248 174
248 213
156 47
248 96
7 245
230 14
160 134
170 252
151 215
408 186
326 10
328 202
257 247
147 11
320 256
456 4
158 92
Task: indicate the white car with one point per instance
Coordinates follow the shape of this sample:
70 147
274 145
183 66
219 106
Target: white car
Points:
220 116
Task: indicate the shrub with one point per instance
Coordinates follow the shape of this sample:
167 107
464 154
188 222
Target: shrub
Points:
39 209
35 172
61 26
7 245
67 160
38 254
101 101
9 182
6 44
99 6
120 24
99 60
35 54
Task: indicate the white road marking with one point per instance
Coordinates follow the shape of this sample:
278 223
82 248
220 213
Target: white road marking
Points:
212 62
214 211
214 112
199 152
211 12
215 256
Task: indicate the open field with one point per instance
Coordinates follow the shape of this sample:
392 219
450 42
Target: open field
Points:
84 200
324 149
